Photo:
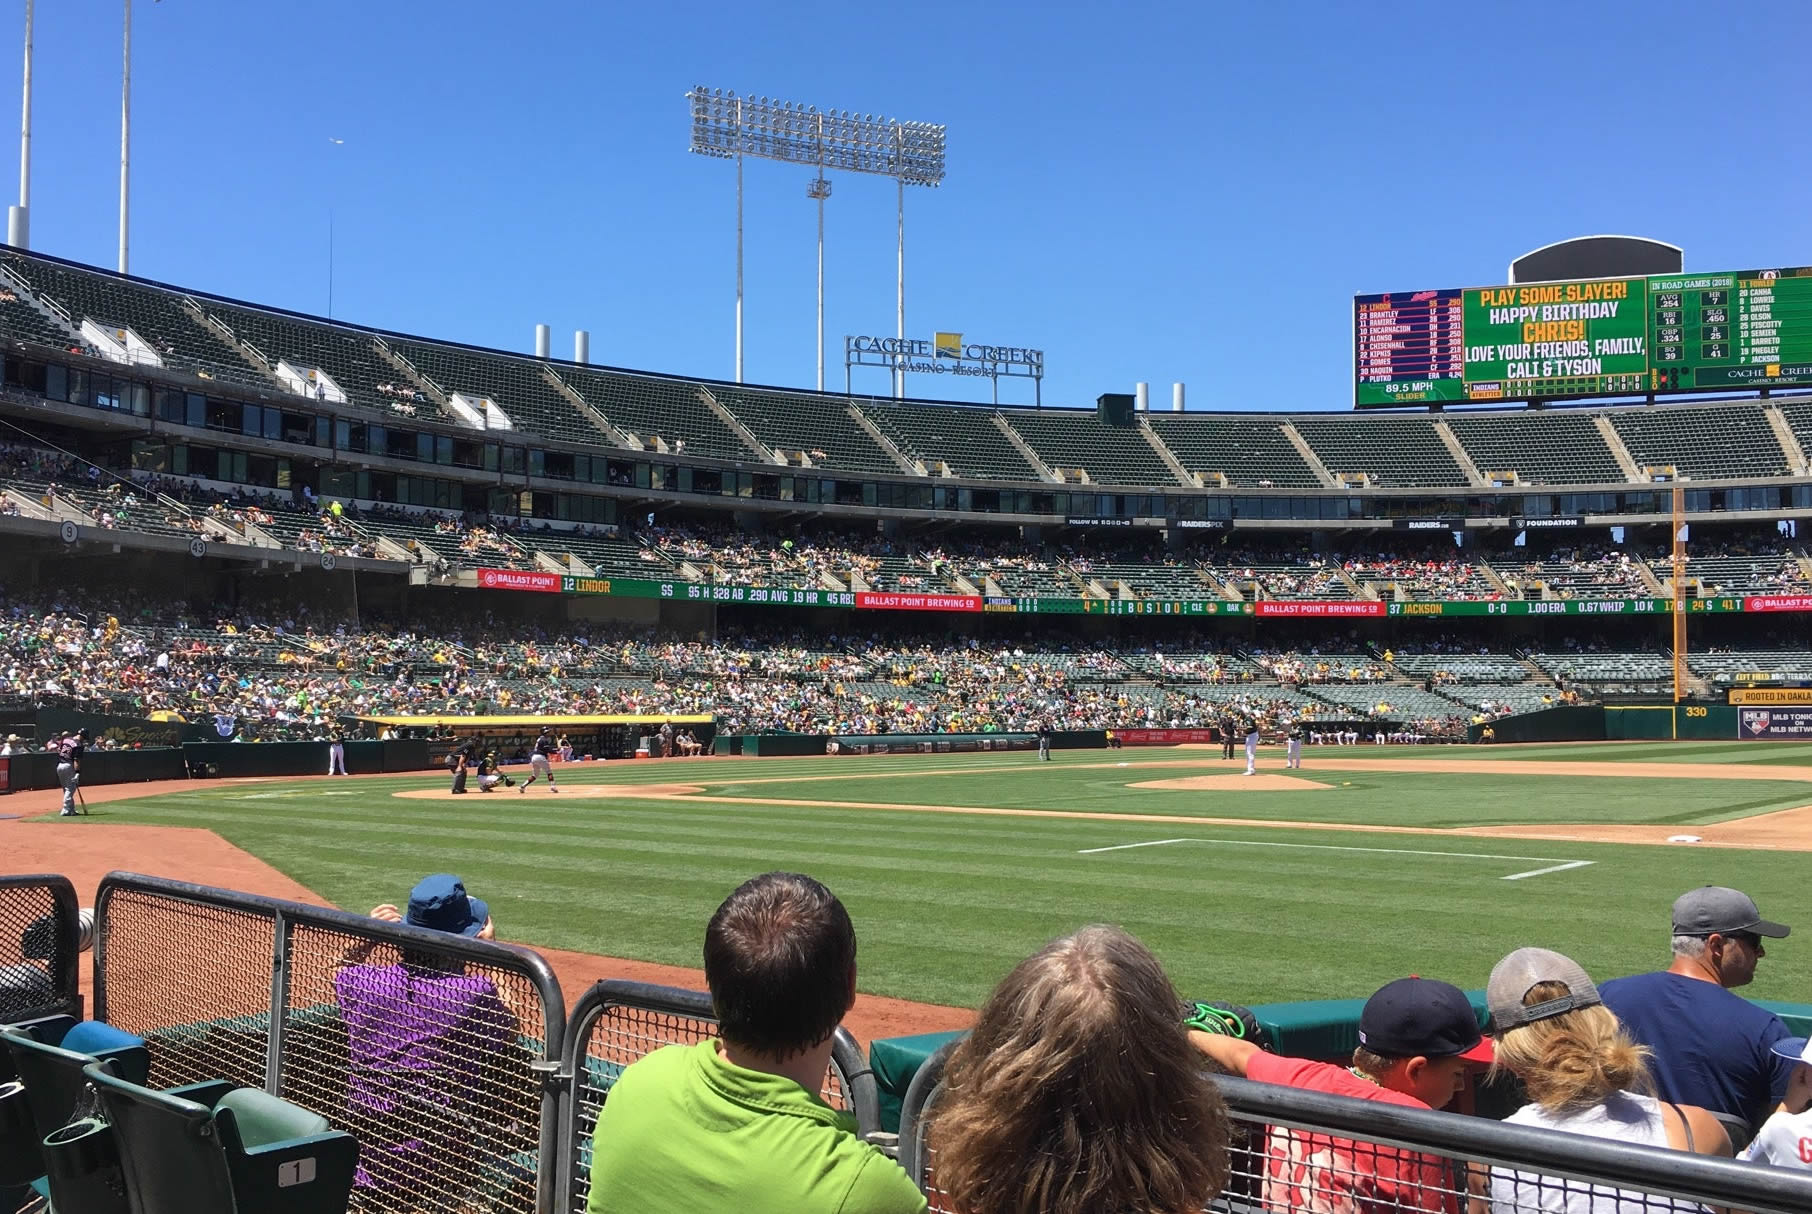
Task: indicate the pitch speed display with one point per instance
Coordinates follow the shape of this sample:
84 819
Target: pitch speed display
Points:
1600 337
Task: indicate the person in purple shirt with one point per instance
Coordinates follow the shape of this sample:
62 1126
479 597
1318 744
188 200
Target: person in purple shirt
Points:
1710 1047
424 1040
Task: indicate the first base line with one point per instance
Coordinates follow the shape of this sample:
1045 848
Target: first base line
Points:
1555 863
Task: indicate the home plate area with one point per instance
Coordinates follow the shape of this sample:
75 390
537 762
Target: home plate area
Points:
1264 781
570 790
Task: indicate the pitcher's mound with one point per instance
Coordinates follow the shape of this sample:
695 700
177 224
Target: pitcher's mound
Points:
1264 781
571 790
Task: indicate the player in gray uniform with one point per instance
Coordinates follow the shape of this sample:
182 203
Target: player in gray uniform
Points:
540 762
69 768
1293 739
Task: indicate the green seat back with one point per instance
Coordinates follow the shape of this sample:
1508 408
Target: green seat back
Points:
263 1119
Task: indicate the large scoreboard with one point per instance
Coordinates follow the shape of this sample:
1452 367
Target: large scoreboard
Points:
1599 337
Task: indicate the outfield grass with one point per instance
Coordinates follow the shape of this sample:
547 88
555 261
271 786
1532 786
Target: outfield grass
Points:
946 903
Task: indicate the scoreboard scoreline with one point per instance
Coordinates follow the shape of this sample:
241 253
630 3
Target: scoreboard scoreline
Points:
1592 337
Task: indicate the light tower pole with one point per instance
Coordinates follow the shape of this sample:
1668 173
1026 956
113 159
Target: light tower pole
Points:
125 133
820 189
18 219
730 127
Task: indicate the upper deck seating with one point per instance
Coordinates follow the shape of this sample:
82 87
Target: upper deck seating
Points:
1075 438
963 437
157 315
1403 451
820 426
1702 441
651 406
1543 447
1249 449
515 384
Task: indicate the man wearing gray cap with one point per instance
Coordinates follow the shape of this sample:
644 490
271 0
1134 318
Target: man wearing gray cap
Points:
1710 1048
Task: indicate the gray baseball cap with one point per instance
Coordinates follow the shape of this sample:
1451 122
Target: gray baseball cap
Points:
1714 908
1519 973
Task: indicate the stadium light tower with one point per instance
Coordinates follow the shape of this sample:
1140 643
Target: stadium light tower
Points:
125 131
729 127
18 219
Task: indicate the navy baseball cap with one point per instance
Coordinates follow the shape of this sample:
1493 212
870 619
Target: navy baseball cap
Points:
1420 1017
440 902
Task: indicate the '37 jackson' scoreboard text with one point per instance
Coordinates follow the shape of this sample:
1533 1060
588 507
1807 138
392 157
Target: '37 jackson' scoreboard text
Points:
1599 337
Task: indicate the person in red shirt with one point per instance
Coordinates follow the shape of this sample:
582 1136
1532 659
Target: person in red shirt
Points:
1416 1038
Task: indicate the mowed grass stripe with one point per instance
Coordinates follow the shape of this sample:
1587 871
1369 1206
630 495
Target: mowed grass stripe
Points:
945 904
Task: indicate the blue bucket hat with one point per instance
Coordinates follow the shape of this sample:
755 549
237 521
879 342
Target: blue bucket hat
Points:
440 902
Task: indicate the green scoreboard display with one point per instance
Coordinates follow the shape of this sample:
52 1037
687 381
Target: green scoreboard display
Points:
1600 337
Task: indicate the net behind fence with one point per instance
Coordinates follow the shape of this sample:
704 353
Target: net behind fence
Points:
1293 1150
434 1051
616 1023
39 948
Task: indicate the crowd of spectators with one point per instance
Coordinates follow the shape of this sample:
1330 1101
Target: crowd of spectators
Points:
722 553
282 670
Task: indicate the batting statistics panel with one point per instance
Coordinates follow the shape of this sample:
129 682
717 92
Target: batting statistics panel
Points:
1601 337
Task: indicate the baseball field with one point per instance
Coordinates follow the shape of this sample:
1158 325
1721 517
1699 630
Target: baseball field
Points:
1368 864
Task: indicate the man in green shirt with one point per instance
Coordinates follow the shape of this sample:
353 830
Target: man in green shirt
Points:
737 1123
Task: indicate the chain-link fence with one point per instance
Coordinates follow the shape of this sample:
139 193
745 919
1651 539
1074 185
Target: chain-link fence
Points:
1296 1150
40 948
617 1022
437 1052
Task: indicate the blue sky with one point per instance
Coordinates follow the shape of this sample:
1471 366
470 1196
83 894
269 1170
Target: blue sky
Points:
1145 192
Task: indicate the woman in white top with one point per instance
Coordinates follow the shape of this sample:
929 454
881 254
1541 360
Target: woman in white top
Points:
1583 1075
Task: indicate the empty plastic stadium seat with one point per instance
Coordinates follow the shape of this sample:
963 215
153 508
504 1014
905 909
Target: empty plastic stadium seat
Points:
1547 447
156 314
962 437
819 426
1391 450
50 1058
516 385
1702 442
213 1148
1250 450
1076 438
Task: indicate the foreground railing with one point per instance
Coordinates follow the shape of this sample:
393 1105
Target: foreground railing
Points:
437 1052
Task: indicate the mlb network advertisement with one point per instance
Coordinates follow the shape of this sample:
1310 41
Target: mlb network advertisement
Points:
1775 724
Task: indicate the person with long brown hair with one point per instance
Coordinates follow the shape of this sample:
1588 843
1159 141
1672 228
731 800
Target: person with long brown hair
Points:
1583 1075
1078 1092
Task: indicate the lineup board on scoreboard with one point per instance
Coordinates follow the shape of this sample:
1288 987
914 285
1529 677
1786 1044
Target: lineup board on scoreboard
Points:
1598 337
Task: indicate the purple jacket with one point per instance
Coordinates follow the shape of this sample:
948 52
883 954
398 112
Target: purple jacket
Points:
420 1045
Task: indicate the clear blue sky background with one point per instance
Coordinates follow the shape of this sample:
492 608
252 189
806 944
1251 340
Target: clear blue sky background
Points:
1145 191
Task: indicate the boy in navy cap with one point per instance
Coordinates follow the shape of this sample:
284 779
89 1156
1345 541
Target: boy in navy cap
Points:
440 902
424 1041
1416 1037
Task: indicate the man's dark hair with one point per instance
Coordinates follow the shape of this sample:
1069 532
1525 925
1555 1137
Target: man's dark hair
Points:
779 954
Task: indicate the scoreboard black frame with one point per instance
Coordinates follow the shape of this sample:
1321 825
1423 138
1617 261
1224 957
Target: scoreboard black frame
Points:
1725 331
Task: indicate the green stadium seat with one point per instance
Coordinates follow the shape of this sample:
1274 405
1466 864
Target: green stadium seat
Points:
213 1148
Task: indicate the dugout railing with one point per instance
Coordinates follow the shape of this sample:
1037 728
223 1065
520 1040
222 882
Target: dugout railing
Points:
40 947
439 1053
1293 1149
616 1022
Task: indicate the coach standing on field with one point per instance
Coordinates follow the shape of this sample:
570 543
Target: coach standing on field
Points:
69 767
